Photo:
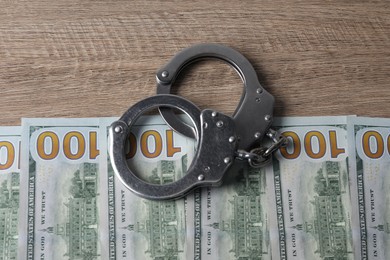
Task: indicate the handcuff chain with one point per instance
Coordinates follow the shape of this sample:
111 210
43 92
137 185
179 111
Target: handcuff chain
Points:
260 156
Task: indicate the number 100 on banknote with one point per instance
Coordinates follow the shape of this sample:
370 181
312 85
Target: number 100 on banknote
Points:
312 198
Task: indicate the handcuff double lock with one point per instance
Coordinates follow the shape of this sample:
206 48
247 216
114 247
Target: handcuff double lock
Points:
221 139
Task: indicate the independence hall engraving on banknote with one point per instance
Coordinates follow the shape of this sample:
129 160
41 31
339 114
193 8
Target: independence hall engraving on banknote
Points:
80 231
245 225
329 223
9 205
160 228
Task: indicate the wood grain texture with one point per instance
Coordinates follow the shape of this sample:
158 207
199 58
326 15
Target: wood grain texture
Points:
96 58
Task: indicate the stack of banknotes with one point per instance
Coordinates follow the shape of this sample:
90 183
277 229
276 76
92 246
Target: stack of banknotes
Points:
324 196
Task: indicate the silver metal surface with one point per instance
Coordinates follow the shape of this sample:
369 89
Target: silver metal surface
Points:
278 141
254 112
118 129
258 159
209 164
221 138
260 156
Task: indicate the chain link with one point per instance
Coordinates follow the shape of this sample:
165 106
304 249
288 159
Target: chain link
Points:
260 156
244 155
261 159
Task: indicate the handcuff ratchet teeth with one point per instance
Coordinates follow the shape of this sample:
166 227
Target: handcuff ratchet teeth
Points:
221 138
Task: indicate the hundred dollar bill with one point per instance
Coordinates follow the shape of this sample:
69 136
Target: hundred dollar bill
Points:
235 216
9 191
312 195
370 180
146 229
63 190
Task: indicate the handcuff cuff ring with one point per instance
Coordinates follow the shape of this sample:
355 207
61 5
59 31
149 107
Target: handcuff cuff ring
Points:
214 154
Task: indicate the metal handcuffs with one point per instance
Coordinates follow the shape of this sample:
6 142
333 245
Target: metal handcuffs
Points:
221 138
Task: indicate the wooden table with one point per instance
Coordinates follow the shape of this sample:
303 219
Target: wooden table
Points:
96 58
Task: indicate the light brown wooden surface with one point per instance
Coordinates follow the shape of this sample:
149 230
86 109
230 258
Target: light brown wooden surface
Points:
96 58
